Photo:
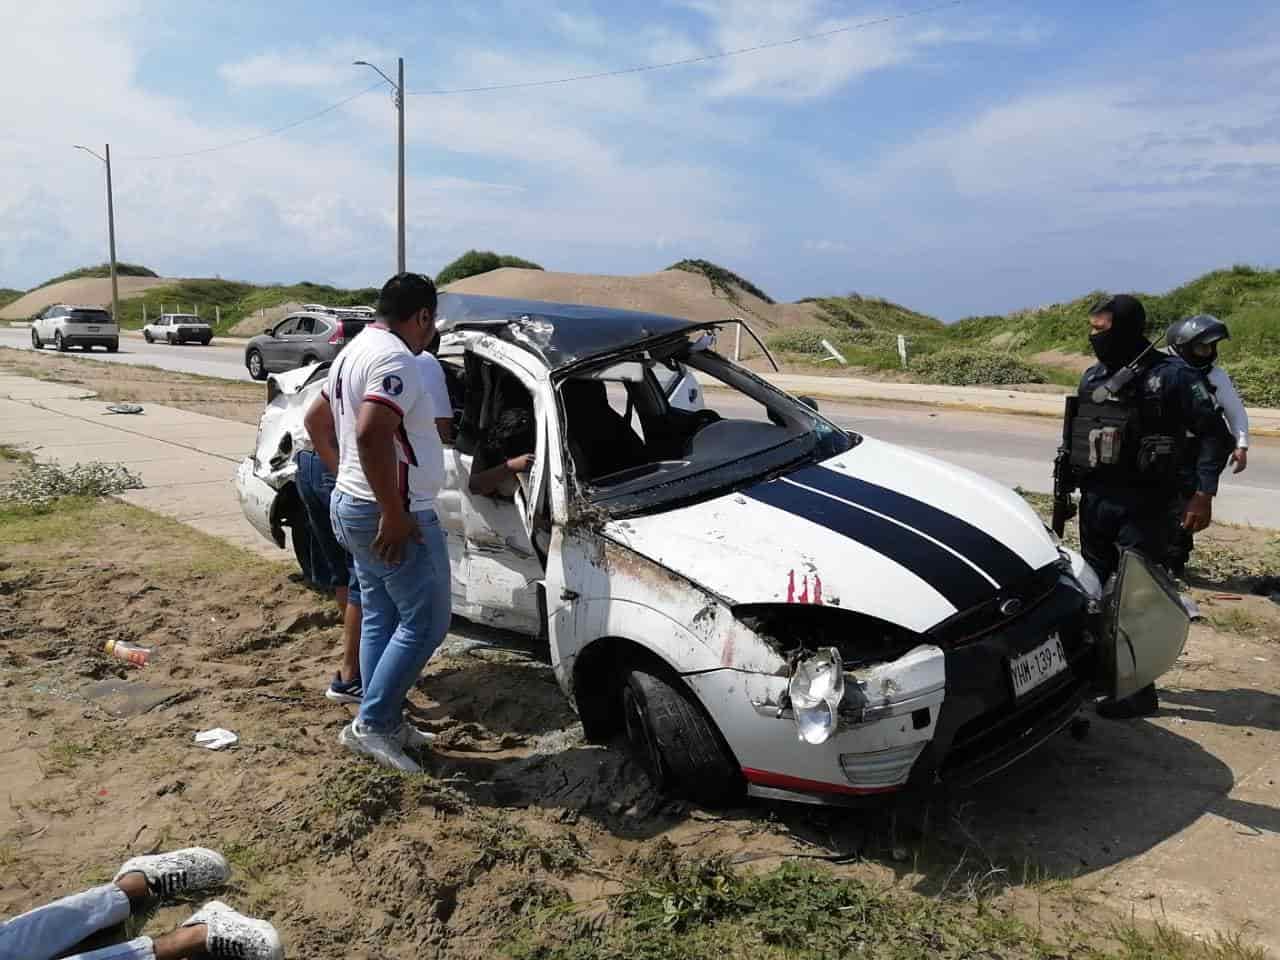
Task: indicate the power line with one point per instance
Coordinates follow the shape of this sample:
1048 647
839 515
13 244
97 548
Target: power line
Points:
261 136
704 58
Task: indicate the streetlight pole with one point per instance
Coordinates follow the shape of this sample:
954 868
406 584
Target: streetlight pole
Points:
111 230
398 89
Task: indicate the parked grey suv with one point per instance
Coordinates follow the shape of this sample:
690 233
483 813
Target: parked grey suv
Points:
300 340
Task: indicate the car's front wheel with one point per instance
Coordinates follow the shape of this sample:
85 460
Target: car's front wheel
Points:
205 341
253 360
672 737
59 342
169 339
146 335
35 340
113 346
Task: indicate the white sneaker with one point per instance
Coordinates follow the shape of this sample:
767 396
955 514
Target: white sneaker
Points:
234 935
194 868
386 750
411 738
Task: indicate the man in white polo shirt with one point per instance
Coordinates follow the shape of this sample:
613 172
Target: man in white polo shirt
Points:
378 413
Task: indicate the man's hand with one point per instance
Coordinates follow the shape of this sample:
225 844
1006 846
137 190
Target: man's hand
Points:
394 531
521 463
1241 459
1199 512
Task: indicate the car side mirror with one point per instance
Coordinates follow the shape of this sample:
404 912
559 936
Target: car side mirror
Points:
809 402
268 332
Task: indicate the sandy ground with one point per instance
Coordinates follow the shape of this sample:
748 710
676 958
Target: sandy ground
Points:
89 291
516 811
672 292
253 325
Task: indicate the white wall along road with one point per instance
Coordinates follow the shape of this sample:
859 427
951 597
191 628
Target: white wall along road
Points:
1016 450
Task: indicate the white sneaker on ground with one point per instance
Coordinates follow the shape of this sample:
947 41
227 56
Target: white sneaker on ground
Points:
385 749
194 868
234 935
411 738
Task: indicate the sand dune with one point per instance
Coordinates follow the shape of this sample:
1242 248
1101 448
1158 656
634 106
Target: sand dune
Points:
85 292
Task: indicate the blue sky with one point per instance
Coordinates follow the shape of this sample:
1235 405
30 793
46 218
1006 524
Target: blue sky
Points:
980 158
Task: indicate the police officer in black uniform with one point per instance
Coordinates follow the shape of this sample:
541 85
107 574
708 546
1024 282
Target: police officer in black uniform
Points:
1137 410
1195 340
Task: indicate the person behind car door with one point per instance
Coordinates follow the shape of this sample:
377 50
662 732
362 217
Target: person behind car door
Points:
390 469
1126 442
1195 340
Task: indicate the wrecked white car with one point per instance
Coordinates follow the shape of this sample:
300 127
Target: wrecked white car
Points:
755 597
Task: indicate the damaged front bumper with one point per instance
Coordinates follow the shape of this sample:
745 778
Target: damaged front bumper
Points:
933 715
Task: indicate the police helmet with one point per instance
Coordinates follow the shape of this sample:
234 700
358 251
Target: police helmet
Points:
1195 339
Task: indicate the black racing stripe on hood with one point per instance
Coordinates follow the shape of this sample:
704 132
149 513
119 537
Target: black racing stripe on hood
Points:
972 543
962 586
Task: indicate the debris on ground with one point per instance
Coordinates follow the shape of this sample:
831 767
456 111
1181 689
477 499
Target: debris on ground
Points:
216 739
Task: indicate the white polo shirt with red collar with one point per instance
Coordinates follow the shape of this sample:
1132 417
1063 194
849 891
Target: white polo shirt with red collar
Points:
378 367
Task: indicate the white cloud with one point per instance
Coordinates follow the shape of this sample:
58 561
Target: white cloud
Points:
329 67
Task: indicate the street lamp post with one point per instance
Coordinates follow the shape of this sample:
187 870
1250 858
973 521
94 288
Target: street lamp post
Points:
111 230
398 87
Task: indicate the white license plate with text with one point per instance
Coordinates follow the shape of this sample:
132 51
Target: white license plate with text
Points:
1043 663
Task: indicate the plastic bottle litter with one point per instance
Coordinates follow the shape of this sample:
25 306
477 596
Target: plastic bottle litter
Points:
129 652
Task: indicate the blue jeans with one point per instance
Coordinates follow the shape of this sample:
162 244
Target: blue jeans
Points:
406 607
330 564
50 931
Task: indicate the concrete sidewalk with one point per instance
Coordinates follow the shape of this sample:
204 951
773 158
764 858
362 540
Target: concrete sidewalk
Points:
186 460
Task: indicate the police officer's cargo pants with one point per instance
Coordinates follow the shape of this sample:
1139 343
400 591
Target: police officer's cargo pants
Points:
1113 520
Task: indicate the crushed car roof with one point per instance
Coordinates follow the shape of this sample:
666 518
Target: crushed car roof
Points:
559 333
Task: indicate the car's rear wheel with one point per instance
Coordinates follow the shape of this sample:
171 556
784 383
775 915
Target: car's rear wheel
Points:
35 340
146 335
169 338
672 737
59 342
205 341
300 537
253 360
113 347
309 359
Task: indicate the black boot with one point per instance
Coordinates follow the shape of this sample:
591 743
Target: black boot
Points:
1144 703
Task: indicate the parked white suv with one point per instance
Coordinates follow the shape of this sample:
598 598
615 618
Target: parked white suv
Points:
67 326
178 328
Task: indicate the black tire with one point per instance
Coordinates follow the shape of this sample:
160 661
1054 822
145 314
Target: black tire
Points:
300 537
35 340
169 339
309 359
59 342
113 347
675 741
206 341
253 361
146 335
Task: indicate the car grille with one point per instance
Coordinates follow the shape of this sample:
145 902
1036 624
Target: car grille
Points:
1003 734
977 622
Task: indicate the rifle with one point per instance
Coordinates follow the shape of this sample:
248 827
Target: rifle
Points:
1064 476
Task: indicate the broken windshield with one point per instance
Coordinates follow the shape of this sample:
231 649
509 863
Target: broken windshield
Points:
633 448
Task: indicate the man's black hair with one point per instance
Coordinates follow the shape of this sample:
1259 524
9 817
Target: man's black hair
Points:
511 435
404 295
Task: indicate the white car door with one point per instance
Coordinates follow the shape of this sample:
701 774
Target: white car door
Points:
502 568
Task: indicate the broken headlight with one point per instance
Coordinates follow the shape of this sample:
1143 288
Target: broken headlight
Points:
815 690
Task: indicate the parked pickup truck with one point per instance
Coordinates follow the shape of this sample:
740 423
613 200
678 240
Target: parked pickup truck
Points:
66 326
178 328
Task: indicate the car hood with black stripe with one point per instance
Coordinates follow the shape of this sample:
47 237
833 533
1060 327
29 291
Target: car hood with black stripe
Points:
880 529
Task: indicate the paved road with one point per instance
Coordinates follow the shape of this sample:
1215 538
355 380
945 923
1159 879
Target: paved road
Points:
1016 450
211 361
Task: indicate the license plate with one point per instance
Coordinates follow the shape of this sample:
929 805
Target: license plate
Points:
1043 663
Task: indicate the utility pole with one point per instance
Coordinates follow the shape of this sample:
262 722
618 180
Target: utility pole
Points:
111 230
398 89
400 191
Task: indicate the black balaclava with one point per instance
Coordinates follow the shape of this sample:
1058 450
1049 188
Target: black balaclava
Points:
1127 336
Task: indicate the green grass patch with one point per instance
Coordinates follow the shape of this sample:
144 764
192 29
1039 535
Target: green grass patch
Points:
707 911
975 367
475 262
721 279
234 300
856 312
8 295
100 270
